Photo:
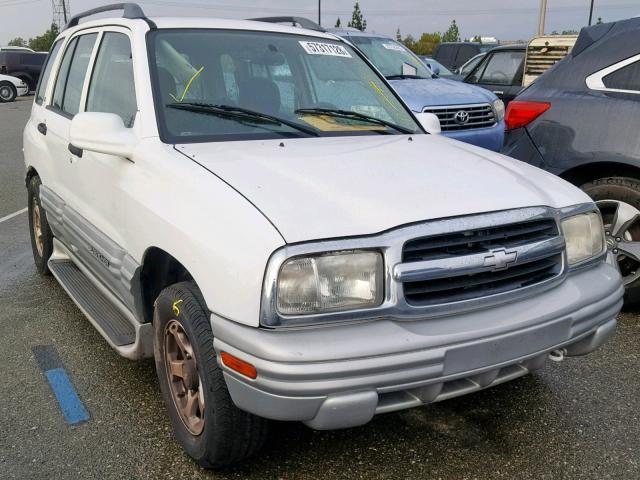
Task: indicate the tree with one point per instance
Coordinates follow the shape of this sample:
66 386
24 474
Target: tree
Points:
17 42
453 34
398 35
409 42
357 20
599 22
427 43
338 24
43 42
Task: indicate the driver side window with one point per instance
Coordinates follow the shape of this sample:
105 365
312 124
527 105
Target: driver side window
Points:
501 68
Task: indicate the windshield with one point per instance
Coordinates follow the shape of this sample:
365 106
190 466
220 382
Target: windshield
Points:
389 56
221 85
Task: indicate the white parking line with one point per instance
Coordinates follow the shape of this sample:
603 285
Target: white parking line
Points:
15 214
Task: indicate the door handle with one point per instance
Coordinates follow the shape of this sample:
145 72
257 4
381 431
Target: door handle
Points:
42 128
498 92
75 150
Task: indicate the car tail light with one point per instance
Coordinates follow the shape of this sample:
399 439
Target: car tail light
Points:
520 114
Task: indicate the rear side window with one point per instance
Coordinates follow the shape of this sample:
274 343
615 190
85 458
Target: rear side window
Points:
73 70
44 78
114 61
465 53
446 54
625 78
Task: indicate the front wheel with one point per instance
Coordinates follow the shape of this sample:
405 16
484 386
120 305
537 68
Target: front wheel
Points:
8 92
618 199
206 422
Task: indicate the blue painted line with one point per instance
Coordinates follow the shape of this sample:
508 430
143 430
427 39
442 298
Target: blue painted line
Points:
51 365
70 404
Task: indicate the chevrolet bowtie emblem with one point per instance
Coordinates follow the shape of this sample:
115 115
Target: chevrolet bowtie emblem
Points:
500 259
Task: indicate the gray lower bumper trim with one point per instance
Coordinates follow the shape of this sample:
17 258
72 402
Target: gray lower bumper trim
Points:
341 376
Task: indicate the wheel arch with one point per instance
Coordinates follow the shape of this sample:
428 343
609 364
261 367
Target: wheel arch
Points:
159 269
584 173
31 172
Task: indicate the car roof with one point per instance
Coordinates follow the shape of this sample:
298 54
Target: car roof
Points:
199 23
514 46
341 32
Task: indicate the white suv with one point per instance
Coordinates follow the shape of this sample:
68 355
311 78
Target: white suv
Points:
254 206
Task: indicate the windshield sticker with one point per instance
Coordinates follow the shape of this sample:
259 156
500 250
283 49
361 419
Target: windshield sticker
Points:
317 48
393 46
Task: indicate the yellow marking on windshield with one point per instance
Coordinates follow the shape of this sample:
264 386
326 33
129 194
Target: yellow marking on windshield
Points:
379 91
186 89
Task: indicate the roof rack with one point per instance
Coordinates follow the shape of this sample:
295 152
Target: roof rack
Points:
294 21
131 11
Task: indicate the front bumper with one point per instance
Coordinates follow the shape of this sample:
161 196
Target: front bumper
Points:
342 375
22 90
491 138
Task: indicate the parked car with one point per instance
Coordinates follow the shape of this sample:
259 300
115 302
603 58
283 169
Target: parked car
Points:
11 88
24 65
500 71
454 54
580 120
437 68
467 113
254 206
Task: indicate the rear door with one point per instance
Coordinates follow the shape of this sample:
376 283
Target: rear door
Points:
501 72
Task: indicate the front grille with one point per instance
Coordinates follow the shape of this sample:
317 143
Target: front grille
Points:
443 284
542 58
477 116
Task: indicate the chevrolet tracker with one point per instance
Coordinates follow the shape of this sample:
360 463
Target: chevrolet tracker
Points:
254 206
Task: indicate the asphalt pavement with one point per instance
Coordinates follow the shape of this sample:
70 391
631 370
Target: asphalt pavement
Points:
579 419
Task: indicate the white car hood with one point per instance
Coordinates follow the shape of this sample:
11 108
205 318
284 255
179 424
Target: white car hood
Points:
317 188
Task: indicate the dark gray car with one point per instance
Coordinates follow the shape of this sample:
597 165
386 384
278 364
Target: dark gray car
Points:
580 120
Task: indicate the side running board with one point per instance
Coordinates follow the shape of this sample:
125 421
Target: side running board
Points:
128 337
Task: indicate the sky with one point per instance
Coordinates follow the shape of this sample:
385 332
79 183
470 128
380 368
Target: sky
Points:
504 19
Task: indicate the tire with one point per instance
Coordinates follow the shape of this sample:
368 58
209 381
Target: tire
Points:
41 234
226 434
618 196
8 92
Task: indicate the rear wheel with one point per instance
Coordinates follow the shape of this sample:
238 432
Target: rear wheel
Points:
8 92
618 199
41 235
211 429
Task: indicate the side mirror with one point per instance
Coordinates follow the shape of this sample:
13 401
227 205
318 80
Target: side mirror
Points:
430 122
435 69
102 133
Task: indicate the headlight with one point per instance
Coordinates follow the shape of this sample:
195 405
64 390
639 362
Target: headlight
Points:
330 282
584 236
498 106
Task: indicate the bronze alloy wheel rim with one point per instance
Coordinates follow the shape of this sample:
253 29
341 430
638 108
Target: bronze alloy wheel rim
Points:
37 227
182 374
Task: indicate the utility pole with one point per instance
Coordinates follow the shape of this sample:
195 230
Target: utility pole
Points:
543 15
319 12
591 13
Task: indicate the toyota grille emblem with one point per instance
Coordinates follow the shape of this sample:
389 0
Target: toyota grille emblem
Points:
461 117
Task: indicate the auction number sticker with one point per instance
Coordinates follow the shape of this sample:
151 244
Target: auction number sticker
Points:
317 48
393 46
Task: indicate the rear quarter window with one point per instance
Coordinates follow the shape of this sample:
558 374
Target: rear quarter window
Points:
625 78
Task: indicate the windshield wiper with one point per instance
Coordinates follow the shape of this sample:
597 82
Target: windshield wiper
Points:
241 114
405 77
354 115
